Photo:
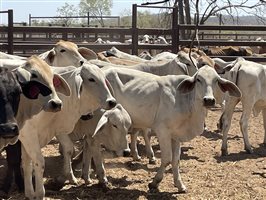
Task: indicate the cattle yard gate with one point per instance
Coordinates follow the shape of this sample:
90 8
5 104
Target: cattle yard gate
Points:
27 40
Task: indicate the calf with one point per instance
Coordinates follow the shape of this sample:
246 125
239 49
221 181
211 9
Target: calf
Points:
108 128
174 108
90 91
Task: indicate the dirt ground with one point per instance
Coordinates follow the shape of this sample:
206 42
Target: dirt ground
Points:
205 173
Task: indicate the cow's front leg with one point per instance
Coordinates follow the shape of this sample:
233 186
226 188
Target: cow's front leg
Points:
38 166
98 161
27 169
134 145
86 161
149 150
68 150
176 149
166 157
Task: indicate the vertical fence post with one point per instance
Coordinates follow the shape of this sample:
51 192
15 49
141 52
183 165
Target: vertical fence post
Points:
175 31
10 33
134 30
30 25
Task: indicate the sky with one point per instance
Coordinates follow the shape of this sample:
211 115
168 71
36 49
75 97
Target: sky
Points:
22 8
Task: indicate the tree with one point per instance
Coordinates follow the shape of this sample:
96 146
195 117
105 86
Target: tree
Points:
96 8
66 10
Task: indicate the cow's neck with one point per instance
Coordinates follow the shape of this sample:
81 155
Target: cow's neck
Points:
26 110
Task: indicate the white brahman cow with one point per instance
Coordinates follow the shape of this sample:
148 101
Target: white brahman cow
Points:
25 91
174 107
250 77
64 53
108 128
90 91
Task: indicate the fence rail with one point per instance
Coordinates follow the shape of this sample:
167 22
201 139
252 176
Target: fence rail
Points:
23 39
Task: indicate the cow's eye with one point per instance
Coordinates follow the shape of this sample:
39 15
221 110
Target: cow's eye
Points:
62 50
198 80
91 80
114 125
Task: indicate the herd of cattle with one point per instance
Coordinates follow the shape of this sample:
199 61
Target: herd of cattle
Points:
73 93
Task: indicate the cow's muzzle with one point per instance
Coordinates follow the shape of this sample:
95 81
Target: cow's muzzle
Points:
208 101
9 130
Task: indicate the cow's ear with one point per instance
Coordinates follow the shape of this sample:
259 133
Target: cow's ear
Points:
102 122
61 85
87 53
187 84
23 75
78 83
230 87
51 56
32 89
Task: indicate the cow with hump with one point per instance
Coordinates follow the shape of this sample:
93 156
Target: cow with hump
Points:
24 92
170 105
90 91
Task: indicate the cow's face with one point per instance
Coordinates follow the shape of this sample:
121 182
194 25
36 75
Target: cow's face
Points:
112 130
67 53
94 88
40 85
10 91
207 85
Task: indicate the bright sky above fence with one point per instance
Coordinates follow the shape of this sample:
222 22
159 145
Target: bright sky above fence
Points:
22 8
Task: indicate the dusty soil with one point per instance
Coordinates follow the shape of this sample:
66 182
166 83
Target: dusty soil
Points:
206 174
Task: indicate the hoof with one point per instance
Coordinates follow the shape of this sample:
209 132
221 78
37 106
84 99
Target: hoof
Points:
224 152
73 181
136 158
152 161
182 191
153 186
88 181
249 150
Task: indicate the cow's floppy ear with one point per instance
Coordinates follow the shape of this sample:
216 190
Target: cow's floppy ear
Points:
187 84
51 56
87 53
102 122
23 75
32 89
230 87
61 85
78 83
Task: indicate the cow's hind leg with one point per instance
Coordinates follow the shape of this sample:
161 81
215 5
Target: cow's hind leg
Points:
264 124
244 126
166 157
176 149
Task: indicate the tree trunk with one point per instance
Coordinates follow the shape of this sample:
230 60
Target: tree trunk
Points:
188 16
181 17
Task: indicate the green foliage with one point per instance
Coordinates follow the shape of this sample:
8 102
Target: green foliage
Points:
66 10
96 8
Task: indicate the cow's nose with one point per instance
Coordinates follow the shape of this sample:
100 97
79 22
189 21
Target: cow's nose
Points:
9 130
209 101
112 103
81 62
56 106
